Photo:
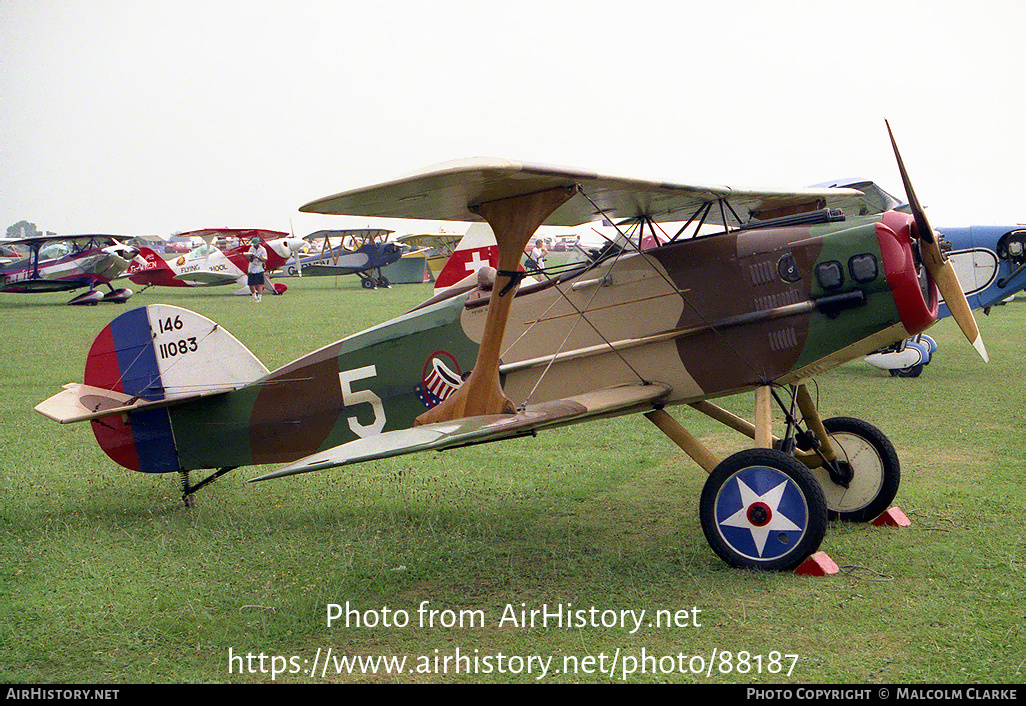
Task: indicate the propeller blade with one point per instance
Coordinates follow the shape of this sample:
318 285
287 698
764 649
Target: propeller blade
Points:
937 264
950 288
295 246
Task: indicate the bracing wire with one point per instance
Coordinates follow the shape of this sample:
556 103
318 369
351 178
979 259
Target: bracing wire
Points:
704 214
581 316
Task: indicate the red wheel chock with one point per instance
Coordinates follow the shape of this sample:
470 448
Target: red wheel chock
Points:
819 564
892 518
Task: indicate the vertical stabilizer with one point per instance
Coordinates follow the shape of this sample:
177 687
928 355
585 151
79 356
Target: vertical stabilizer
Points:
475 250
149 268
161 352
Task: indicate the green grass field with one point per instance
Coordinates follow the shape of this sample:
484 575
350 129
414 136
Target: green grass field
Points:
105 577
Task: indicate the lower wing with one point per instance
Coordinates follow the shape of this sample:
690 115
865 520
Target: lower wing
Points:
476 430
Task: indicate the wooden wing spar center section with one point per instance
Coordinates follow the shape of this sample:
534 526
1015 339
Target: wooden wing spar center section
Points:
513 220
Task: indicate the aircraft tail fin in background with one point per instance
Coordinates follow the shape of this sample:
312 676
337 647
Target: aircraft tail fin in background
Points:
149 268
476 250
142 362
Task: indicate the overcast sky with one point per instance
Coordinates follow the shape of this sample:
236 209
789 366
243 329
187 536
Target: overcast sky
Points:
138 117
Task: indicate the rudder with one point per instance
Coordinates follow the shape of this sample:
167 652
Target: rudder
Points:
155 271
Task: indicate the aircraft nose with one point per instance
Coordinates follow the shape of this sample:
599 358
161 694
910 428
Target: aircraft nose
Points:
915 294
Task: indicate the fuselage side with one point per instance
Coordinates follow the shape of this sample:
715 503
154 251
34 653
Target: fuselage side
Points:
989 261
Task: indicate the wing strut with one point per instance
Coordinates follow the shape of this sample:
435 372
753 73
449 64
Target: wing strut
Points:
513 220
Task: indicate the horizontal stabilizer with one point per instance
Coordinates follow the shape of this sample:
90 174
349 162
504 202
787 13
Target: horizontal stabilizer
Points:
480 429
80 403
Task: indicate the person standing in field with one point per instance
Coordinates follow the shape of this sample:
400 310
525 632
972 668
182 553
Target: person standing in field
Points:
537 256
257 256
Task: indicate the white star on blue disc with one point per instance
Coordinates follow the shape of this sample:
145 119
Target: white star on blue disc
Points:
760 515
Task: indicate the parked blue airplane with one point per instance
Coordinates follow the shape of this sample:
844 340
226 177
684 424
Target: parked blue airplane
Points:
359 251
990 262
991 265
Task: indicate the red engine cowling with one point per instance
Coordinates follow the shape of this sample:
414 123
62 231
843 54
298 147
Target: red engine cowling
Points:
915 292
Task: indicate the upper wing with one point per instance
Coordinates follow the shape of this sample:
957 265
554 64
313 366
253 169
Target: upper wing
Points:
475 430
360 234
34 239
443 243
450 191
209 234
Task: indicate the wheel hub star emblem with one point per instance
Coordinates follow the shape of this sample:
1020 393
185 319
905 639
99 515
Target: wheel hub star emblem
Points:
759 514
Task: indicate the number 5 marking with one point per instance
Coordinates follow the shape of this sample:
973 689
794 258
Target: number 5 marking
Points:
352 397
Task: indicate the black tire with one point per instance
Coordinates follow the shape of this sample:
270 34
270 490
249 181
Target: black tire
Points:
752 522
877 472
367 283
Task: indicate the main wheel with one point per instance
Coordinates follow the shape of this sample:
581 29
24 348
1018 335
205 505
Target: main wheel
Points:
875 467
368 283
762 509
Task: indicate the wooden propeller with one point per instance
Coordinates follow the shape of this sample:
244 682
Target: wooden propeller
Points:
937 263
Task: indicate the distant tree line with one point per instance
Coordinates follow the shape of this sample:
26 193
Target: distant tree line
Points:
23 229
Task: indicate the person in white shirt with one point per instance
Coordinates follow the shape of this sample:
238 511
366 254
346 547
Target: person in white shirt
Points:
257 255
538 253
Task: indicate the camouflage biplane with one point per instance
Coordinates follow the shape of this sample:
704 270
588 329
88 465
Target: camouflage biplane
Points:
792 284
